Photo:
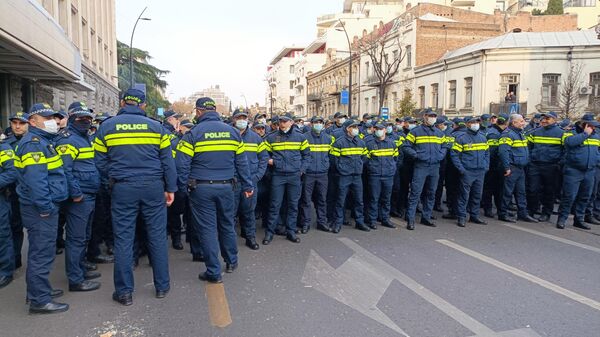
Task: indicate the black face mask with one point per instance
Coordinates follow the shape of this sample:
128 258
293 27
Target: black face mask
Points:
82 126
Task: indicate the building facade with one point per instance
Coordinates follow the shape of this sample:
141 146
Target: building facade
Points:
57 51
281 80
214 92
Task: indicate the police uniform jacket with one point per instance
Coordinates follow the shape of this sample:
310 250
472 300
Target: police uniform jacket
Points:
256 153
41 182
546 144
582 150
8 172
131 146
512 148
426 144
382 156
77 154
174 136
320 145
348 154
493 138
470 151
289 151
212 150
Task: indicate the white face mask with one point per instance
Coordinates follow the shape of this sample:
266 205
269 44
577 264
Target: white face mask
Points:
286 130
342 120
379 133
474 127
412 126
431 120
443 127
51 126
354 132
241 124
369 131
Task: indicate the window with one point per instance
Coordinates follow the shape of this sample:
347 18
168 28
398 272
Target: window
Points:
452 94
367 105
291 100
408 56
394 101
367 70
375 109
595 84
550 83
468 92
434 96
291 69
291 84
580 3
422 97
509 83
501 5
395 54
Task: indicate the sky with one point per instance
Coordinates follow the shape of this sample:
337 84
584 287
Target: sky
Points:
229 43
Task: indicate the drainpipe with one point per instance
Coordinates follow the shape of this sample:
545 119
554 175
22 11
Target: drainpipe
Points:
482 83
444 86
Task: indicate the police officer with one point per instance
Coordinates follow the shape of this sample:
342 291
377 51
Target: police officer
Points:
314 183
514 156
339 120
208 157
83 181
8 176
471 156
289 159
494 178
348 153
578 174
382 154
42 185
426 145
546 147
134 153
19 123
257 156
452 175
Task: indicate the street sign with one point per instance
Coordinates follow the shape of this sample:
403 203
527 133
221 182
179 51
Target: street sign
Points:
385 113
160 111
344 97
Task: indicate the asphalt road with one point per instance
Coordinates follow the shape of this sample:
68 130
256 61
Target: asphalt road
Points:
523 280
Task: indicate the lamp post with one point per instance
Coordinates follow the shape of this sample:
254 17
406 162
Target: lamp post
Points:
131 83
245 100
349 67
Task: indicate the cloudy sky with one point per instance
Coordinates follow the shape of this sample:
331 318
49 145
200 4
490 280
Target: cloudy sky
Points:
223 42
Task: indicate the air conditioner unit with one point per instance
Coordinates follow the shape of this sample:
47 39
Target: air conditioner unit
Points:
586 90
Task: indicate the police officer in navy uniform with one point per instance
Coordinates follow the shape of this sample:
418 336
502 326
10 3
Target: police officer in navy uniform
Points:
208 158
8 176
255 151
471 157
83 181
134 153
19 123
41 187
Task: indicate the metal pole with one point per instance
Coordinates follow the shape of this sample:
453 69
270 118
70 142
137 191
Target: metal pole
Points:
349 70
131 83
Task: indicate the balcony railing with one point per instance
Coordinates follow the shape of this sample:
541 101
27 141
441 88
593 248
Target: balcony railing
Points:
508 108
315 97
333 89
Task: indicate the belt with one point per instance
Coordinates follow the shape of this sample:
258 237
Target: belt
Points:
214 182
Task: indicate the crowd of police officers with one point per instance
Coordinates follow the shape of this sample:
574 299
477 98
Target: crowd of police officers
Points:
78 181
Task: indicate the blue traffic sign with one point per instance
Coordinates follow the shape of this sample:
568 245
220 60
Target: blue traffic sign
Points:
385 113
344 97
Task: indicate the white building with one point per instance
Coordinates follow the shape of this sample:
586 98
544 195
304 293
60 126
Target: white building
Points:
476 78
213 92
281 80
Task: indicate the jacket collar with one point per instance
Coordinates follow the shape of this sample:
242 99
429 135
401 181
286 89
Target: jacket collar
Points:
209 116
131 110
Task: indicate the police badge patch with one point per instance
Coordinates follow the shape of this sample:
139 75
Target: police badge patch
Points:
36 157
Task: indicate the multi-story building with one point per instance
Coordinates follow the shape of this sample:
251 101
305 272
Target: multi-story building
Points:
214 92
57 51
281 80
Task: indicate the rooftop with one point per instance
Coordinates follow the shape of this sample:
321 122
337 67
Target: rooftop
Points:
283 52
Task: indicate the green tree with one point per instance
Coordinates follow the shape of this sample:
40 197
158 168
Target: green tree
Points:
555 7
143 72
406 106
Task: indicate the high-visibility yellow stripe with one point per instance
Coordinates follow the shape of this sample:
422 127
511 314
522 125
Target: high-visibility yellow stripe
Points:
544 140
512 143
185 147
219 145
475 147
592 142
262 147
134 135
287 146
165 142
457 147
54 162
6 155
383 153
67 150
100 146
493 142
410 137
38 158
133 141
85 153
320 147
353 151
250 147
448 139
428 140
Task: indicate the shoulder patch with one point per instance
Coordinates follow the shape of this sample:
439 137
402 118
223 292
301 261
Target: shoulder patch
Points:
35 139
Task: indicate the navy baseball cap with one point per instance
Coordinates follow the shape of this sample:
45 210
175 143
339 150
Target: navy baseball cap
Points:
537 116
315 119
550 114
349 123
340 115
589 119
259 125
429 112
259 115
171 113
472 119
134 95
440 120
503 117
486 117
20 115
239 112
298 118
206 103
79 109
379 126
286 117
101 116
187 123
275 119
42 109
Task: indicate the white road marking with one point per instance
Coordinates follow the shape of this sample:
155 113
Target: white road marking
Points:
555 238
546 284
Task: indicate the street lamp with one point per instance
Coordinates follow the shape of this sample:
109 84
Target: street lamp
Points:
349 67
245 101
131 45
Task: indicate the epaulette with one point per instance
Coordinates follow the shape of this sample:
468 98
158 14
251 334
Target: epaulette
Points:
35 139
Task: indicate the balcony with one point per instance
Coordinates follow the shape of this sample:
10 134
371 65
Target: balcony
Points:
508 108
372 81
315 97
463 3
333 89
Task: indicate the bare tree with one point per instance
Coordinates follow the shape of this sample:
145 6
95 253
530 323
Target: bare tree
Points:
569 92
377 46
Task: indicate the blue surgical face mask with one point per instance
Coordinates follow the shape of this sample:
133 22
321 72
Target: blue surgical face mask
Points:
241 124
318 127
412 126
474 127
379 133
389 129
354 132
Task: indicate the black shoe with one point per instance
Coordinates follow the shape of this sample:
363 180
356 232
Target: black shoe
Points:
488 213
438 208
528 218
335 230
59 251
460 223
372 226
18 264
251 243
395 214
280 231
90 275
581 224
161 293
477 221
560 224
427 222
388 224
591 220
89 266
506 219
48 308
197 258
209 279
410 226
324 228
125 299
304 230
5 280
177 245
84 286
230 268
450 216
293 238
268 238
544 218
55 293
102 259
110 250
433 217
362 227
